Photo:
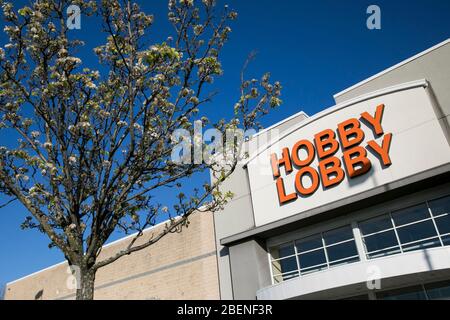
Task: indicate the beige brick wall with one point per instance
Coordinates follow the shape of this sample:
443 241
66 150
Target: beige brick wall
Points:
179 266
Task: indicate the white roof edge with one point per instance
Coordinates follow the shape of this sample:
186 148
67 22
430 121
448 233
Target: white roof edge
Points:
279 123
441 44
337 107
105 246
34 273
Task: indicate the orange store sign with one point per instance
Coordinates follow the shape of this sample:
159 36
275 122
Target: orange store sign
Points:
331 169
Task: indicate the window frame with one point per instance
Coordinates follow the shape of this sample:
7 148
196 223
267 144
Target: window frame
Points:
402 246
310 269
352 221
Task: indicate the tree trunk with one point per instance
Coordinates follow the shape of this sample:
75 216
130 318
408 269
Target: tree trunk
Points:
85 289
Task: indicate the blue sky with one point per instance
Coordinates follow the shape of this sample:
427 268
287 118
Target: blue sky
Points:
314 48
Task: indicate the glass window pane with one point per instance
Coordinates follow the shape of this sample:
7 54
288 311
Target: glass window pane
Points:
440 206
286 250
411 293
309 243
439 290
313 258
443 224
410 214
384 253
288 264
338 235
417 231
446 240
380 241
341 251
376 224
426 244
282 251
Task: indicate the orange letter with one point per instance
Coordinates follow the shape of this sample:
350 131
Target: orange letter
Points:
285 160
383 151
350 133
282 197
314 178
375 122
328 167
356 156
310 153
326 140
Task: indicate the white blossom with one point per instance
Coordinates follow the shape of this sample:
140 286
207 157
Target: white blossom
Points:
33 190
104 113
73 159
187 2
83 124
138 127
62 52
72 60
91 85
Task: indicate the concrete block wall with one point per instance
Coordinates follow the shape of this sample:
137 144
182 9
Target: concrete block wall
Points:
179 266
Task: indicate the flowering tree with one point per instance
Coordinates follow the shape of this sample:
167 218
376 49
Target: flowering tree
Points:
87 149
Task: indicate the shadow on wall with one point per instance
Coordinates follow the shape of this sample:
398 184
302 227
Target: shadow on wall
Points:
39 295
427 259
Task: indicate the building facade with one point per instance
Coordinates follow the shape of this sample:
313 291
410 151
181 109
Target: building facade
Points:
350 203
181 266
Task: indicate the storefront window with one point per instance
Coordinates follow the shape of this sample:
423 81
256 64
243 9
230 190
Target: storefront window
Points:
314 253
422 226
311 254
415 228
431 291
411 293
438 291
284 262
340 246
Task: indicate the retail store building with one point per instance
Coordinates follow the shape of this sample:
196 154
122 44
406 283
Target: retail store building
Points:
352 202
